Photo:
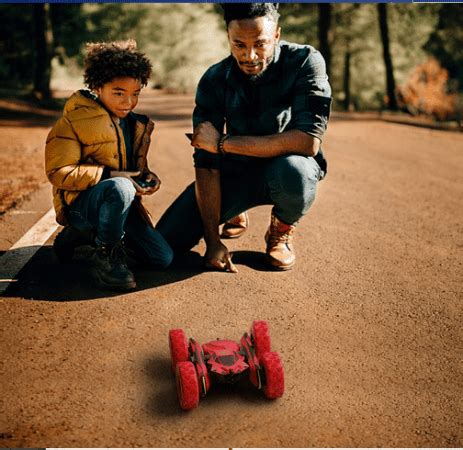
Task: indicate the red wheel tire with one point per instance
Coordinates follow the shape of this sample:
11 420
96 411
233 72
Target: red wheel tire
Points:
178 347
274 375
261 337
187 385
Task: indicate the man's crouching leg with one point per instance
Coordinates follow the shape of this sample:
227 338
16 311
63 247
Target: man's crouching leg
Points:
147 244
292 184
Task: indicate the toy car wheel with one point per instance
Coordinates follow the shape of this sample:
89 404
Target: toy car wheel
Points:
187 385
274 386
261 337
178 347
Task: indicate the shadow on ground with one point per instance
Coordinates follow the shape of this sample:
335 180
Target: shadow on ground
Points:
44 278
252 259
24 119
164 401
170 117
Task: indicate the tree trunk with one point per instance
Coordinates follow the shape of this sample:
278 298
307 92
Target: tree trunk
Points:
346 79
324 25
390 82
43 50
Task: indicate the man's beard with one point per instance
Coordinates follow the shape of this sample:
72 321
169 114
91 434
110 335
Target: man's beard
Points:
258 76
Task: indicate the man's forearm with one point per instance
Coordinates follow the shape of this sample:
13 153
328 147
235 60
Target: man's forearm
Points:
208 196
289 142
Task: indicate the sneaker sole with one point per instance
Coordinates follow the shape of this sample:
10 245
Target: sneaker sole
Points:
224 235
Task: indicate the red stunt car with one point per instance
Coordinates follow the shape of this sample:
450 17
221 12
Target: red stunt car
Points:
196 366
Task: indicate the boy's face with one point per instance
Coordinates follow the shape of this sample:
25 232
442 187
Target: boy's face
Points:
120 95
252 44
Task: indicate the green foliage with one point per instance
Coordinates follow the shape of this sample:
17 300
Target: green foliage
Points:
18 57
16 51
298 22
112 22
181 39
68 21
355 29
411 28
446 42
184 39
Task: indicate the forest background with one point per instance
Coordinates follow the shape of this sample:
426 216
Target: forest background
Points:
403 57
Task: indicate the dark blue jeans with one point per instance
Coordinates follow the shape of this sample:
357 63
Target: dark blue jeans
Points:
108 209
287 182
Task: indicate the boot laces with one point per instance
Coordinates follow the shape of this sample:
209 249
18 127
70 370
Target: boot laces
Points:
278 236
118 254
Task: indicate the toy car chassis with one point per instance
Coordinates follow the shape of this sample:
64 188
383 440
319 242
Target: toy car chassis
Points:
197 366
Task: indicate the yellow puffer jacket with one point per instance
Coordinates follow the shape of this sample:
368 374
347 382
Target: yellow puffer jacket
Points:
85 141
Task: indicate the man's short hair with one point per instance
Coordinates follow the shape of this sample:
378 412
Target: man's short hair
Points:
106 61
238 11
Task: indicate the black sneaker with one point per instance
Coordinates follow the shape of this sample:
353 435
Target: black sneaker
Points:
68 239
110 268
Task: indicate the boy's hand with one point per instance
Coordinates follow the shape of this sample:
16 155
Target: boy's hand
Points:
150 177
129 175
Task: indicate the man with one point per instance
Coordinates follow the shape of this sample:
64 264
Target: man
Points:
274 99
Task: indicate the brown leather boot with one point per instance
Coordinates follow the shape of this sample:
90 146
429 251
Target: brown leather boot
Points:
279 238
236 226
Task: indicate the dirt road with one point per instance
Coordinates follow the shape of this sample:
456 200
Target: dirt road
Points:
368 323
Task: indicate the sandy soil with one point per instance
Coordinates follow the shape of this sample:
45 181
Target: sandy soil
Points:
23 131
368 323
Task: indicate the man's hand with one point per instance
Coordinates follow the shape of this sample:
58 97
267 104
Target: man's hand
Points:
217 257
205 136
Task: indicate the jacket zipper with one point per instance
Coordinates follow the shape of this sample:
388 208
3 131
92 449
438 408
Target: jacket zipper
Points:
136 151
118 143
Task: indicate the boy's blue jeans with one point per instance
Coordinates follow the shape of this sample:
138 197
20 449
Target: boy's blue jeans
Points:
107 209
287 182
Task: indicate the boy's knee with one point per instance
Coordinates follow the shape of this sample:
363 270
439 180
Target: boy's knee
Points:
121 188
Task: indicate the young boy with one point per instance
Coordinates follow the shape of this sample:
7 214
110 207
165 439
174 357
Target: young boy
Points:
96 160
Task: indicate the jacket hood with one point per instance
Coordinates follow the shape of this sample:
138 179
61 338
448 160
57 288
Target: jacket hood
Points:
82 99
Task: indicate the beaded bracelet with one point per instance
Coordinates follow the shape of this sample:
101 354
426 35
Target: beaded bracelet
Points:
222 139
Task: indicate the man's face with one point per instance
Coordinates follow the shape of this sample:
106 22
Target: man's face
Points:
120 95
252 44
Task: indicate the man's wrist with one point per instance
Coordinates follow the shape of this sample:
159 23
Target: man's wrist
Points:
220 144
213 245
212 241
211 234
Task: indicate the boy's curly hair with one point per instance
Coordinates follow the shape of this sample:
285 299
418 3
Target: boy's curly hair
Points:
108 60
